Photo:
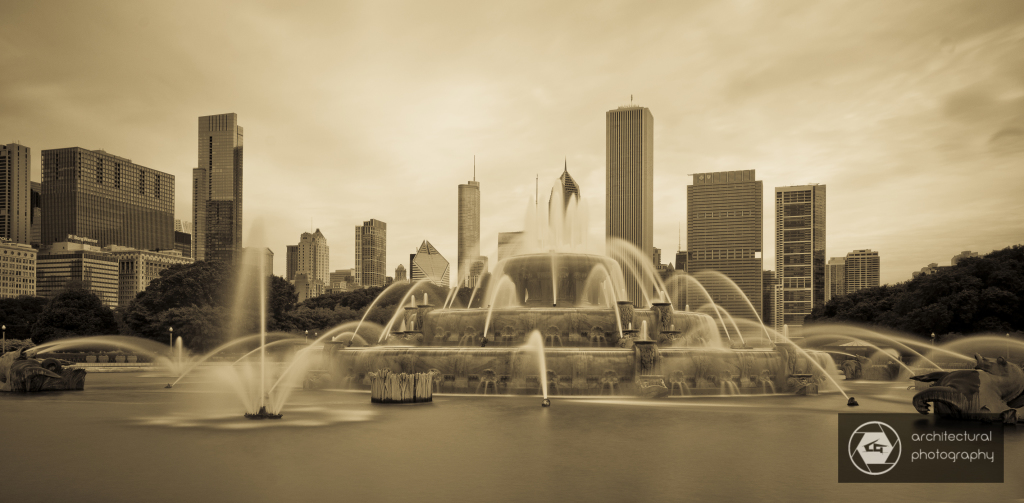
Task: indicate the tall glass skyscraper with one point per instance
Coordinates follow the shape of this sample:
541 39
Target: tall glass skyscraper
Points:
15 193
629 208
217 189
723 233
96 195
371 253
799 252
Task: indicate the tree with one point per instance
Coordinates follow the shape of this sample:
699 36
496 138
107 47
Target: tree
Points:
982 294
19 314
73 312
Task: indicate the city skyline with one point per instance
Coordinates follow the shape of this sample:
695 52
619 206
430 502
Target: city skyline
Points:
909 119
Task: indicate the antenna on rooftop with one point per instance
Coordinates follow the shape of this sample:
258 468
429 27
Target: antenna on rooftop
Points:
474 167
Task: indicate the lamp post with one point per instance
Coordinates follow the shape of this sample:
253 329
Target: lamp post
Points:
1007 346
307 335
170 339
4 348
933 339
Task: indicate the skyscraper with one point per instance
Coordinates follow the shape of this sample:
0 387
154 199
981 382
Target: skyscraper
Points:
835 278
427 263
799 251
36 215
469 231
863 270
568 192
371 253
509 244
15 193
100 196
217 189
400 273
313 257
291 256
629 208
723 233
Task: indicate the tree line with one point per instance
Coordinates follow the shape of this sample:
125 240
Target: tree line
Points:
979 294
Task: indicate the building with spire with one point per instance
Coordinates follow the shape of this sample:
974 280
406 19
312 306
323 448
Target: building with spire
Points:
469 232
427 263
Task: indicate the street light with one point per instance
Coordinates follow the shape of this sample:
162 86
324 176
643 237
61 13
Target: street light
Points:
170 338
933 338
307 335
4 349
1007 346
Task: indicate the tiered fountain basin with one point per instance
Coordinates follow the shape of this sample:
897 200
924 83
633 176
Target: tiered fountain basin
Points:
592 343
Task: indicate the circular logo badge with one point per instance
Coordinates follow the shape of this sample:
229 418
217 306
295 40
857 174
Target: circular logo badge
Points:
874 448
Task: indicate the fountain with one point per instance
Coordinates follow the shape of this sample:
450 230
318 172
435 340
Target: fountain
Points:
569 299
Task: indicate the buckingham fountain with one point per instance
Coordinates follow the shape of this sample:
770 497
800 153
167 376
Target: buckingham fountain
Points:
556 318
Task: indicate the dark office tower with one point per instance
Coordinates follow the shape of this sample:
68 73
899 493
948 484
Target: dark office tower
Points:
723 233
679 284
469 232
629 209
15 193
768 297
36 215
217 189
110 199
291 255
371 253
799 252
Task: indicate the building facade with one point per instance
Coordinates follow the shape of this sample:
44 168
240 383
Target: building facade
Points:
427 263
509 244
313 256
768 298
17 269
101 196
863 270
15 193
80 260
36 215
400 274
835 278
629 177
217 189
800 251
469 231
342 280
183 243
962 255
138 268
724 234
371 253
291 256
308 287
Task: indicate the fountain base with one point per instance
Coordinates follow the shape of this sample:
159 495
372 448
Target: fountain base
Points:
545 403
169 386
262 414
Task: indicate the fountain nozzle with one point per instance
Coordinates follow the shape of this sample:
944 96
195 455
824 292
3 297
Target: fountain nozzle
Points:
852 402
483 343
262 414
169 385
545 403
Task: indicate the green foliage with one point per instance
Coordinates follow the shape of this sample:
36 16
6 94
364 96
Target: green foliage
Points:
983 294
19 314
73 312
15 344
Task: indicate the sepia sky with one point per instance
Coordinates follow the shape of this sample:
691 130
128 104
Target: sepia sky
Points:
912 113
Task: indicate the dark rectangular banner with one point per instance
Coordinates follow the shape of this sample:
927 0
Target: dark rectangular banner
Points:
918 448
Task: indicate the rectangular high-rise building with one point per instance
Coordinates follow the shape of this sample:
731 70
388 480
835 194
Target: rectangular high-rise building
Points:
36 215
312 257
217 189
371 253
469 232
15 193
78 260
863 270
17 270
799 251
723 234
629 181
835 278
291 255
96 195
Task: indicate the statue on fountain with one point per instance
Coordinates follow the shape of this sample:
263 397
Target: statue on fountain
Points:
994 389
18 372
